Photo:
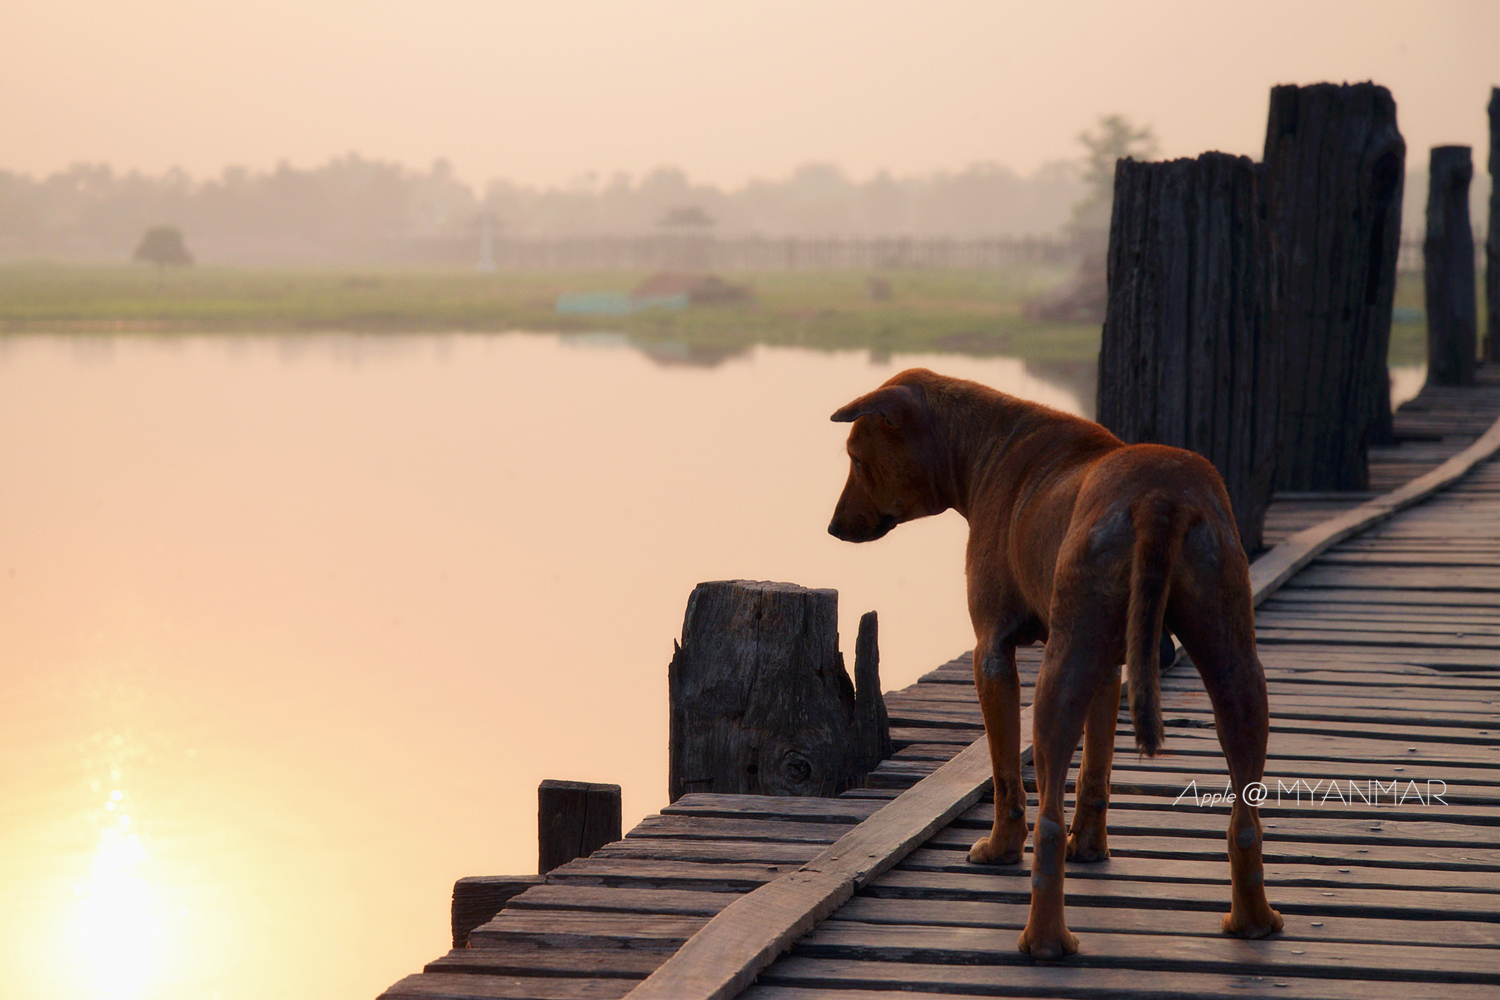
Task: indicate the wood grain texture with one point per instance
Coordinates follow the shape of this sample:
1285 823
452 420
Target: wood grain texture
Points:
1190 356
1334 172
760 701
574 819
1448 268
1492 239
477 899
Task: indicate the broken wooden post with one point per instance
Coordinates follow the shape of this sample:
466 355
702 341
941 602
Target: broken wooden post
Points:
1492 241
1334 170
1448 268
1190 356
760 701
574 819
477 899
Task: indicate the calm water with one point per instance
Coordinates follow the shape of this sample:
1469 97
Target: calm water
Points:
294 626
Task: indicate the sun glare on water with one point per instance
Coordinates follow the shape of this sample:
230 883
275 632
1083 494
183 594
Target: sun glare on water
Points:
118 925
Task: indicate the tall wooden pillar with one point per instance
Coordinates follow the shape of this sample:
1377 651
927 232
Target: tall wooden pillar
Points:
1190 357
1492 240
1448 269
1335 167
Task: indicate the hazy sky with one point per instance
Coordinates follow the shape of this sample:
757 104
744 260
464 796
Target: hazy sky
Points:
545 91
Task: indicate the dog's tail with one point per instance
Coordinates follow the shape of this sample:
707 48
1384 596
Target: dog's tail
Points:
1159 527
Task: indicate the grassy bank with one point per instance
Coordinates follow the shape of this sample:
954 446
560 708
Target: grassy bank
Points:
968 312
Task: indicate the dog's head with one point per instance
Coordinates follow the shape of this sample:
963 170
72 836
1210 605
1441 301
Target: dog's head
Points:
890 461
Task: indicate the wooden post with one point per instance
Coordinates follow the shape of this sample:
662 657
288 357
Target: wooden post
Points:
1334 171
760 701
476 900
1492 241
1189 356
574 819
1448 263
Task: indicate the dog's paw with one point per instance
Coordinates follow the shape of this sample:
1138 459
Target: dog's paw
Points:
1259 926
1087 845
986 851
1044 946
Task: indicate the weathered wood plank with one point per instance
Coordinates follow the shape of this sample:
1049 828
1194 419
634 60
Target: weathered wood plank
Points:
717 828
1014 886
469 986
477 899
1169 843
710 851
798 809
1216 872
850 979
576 960
1282 955
581 929
678 902
1012 916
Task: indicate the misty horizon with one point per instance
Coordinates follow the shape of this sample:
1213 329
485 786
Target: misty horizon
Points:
354 210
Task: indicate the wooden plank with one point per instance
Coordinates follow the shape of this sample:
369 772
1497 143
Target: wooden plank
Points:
582 929
679 902
799 809
572 961
1284 955
1014 886
667 874
470 986
1012 916
1473 579
722 827
852 979
1167 843
709 851
1215 871
1425 599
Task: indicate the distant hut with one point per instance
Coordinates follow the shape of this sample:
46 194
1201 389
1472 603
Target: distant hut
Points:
687 239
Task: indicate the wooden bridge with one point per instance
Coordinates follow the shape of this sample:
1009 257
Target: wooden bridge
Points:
1378 623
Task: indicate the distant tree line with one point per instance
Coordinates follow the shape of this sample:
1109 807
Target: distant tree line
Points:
355 210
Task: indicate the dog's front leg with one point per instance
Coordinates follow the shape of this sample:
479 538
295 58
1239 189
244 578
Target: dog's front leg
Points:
1000 700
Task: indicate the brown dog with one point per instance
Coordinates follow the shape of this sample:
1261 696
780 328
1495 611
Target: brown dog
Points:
1092 546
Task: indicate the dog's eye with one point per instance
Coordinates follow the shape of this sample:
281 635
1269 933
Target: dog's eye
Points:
857 466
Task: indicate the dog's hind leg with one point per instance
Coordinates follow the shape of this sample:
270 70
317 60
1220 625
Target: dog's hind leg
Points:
1088 840
1074 667
1221 641
999 690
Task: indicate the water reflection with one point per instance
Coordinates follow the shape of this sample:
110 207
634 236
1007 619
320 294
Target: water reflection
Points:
323 610
118 921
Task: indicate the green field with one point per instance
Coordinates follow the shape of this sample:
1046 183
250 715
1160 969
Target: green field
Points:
967 312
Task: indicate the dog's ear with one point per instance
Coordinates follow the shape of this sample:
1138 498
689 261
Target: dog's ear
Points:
896 404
